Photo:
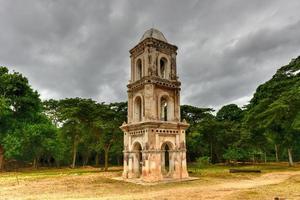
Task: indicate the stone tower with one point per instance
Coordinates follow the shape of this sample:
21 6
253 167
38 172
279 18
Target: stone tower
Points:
154 136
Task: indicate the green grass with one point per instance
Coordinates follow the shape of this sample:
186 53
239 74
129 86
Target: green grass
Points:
222 171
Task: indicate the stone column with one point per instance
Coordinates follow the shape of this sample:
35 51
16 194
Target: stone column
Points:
180 165
177 140
177 161
136 164
125 163
163 161
184 172
148 103
171 162
146 168
154 167
157 141
130 166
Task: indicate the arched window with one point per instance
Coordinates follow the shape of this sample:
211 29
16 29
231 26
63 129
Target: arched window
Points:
163 109
163 67
139 69
138 109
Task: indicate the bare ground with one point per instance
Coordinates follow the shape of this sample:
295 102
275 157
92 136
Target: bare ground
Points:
93 184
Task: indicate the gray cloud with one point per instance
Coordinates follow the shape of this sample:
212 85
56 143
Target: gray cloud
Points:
80 48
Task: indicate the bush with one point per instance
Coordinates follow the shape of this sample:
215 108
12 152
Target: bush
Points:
234 154
203 161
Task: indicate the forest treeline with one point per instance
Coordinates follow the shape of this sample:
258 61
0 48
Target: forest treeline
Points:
77 132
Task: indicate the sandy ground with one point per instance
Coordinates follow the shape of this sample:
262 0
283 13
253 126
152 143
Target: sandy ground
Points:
101 186
218 191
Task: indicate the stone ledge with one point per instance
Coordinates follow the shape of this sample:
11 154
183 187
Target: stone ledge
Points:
139 181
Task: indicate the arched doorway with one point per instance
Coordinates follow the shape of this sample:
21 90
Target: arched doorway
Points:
166 159
138 159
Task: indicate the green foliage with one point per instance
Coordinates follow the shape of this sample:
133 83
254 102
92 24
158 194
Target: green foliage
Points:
12 144
230 112
89 127
203 161
235 154
273 113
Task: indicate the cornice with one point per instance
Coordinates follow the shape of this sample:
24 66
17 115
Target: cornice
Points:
165 83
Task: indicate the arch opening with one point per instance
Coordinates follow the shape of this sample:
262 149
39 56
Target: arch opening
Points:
163 67
138 109
138 69
167 163
137 161
164 109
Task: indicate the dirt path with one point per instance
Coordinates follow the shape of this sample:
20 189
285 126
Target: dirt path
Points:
218 191
100 186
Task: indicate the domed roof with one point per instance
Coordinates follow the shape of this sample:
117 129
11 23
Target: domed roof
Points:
154 33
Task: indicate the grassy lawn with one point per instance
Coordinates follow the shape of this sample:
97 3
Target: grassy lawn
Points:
92 183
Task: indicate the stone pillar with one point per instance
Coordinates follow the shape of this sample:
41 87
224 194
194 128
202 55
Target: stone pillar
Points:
177 140
163 161
148 103
154 167
184 172
180 165
130 167
171 162
146 168
136 164
157 141
125 163
130 107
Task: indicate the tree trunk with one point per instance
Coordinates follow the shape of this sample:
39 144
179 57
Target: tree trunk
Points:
211 152
35 161
57 163
265 155
1 158
49 162
119 160
106 159
276 153
1 162
86 160
97 159
291 163
74 153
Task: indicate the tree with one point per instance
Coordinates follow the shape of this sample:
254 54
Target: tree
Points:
281 118
39 140
4 112
20 105
273 110
115 115
76 115
234 154
194 139
230 112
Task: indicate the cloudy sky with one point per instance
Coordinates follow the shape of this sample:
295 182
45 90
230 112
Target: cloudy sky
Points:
79 48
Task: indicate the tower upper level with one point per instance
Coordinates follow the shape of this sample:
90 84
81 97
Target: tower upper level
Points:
153 58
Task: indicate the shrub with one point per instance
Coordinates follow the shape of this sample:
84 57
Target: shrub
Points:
203 161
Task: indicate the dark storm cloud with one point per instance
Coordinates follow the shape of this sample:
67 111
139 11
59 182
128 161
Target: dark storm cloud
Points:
80 48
